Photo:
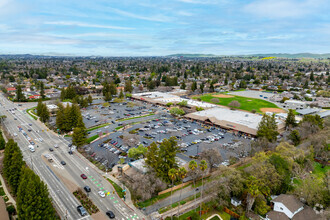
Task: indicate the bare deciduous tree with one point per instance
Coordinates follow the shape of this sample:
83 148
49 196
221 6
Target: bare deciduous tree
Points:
130 139
212 156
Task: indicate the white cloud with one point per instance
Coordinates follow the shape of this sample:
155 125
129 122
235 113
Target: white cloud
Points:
283 8
82 24
158 17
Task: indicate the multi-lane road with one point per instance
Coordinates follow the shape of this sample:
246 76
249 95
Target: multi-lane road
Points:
62 179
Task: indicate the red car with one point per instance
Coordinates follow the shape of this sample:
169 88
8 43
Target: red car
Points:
83 176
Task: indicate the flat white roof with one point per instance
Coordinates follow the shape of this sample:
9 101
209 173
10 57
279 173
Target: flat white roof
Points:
239 117
51 106
167 97
295 102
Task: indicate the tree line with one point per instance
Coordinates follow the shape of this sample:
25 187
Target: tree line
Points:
69 118
32 197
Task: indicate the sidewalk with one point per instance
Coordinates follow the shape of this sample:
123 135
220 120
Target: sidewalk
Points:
183 209
11 199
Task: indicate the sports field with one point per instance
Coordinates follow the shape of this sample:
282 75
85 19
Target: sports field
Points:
246 103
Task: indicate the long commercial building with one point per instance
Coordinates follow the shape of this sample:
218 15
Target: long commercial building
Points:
235 120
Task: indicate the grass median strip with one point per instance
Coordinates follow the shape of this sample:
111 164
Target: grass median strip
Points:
142 116
99 126
118 189
31 113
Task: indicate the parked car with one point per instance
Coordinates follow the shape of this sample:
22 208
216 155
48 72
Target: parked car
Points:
63 162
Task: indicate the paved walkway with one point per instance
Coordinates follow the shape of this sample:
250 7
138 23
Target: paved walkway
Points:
186 192
11 199
214 216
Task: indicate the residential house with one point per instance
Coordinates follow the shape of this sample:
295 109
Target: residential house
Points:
289 207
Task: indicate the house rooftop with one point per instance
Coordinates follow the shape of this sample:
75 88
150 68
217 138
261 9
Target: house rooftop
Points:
272 215
308 111
290 201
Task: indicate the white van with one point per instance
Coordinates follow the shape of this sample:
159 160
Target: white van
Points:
31 148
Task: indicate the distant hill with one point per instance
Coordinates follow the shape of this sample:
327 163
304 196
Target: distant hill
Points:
281 55
187 55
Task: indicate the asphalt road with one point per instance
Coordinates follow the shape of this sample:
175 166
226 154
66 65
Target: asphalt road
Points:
51 173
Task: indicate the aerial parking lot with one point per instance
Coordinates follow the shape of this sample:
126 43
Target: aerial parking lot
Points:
126 129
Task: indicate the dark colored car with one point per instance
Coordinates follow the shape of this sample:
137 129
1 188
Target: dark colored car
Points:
87 189
51 149
110 214
63 162
81 210
83 176
70 152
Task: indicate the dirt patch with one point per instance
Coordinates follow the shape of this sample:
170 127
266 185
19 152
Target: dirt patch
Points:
275 110
223 96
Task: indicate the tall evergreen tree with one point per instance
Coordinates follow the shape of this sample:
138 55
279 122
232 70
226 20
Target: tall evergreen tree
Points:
60 117
33 200
44 114
12 164
193 86
79 136
2 141
19 94
268 128
42 90
39 107
121 94
128 86
290 120
90 99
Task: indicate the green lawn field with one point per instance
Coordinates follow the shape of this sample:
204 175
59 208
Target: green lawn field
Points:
247 104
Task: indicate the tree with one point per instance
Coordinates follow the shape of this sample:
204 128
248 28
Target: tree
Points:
90 99
268 128
12 162
19 94
108 97
2 141
60 117
172 173
192 172
121 94
113 89
33 200
137 152
234 104
193 86
211 86
295 137
79 136
290 120
177 111
128 86
315 120
44 114
183 85
39 108
162 159
212 156
182 172
202 167
201 87
42 90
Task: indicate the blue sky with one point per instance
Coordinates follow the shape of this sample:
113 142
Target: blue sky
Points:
162 27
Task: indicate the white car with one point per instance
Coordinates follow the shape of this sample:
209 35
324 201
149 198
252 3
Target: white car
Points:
15 134
56 146
41 140
102 194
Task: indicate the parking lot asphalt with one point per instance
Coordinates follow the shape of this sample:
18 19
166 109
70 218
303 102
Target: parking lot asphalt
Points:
163 125
192 137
